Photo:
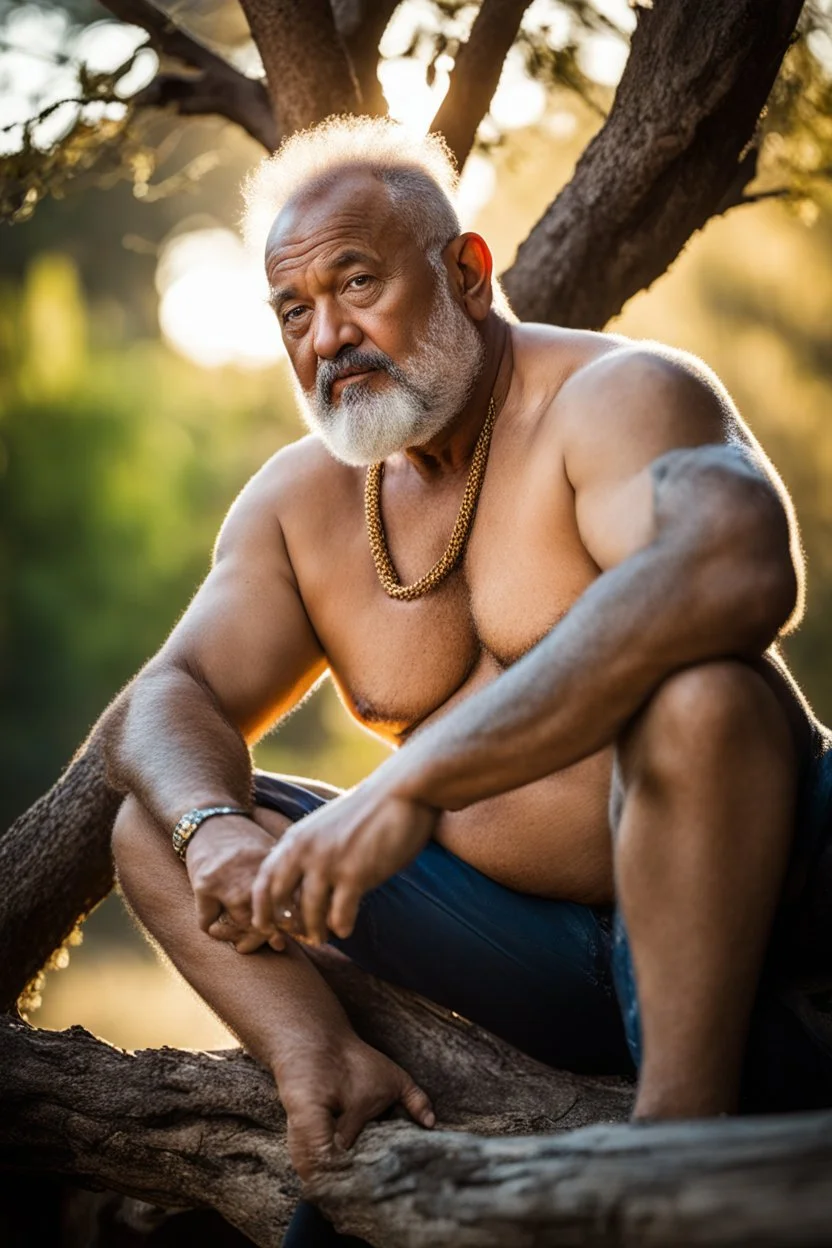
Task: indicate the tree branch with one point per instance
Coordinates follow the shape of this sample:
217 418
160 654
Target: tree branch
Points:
720 1182
243 101
215 88
476 73
308 74
688 103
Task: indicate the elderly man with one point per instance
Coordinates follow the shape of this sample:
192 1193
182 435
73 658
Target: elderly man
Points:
551 566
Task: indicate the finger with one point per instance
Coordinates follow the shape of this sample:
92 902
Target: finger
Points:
314 903
344 910
351 1123
208 910
261 899
310 1137
234 921
286 874
264 918
223 929
278 942
417 1103
250 941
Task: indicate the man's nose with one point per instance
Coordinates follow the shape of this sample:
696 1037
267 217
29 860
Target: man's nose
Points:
333 331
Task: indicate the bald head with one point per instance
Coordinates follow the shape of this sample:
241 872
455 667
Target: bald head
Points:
355 199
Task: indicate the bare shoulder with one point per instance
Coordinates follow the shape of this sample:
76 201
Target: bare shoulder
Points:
615 403
650 396
284 492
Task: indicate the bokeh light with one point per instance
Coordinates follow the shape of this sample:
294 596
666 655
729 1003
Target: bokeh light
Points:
212 301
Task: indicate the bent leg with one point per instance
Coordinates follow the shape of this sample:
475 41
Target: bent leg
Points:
706 798
264 998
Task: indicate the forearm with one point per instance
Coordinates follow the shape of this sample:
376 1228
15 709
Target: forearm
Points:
275 1003
167 742
571 695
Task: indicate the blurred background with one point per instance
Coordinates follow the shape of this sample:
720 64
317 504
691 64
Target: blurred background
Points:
141 383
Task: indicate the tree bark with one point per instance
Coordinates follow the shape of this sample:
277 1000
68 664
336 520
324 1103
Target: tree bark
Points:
722 1183
197 1129
697 78
56 866
308 73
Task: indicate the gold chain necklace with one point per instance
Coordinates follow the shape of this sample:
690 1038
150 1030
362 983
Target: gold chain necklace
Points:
459 535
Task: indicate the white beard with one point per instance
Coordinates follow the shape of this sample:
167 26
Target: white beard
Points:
421 396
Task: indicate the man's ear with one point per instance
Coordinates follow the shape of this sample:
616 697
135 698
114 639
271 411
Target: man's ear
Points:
470 266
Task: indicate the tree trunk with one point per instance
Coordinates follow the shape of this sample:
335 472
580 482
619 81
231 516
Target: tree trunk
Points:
308 73
697 78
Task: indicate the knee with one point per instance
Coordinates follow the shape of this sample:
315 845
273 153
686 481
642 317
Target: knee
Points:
703 714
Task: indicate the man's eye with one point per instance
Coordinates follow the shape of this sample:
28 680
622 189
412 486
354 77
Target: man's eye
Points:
360 280
293 314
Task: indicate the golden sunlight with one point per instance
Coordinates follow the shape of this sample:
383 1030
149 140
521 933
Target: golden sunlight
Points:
212 302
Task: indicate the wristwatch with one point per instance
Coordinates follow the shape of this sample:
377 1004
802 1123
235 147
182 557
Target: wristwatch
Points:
192 820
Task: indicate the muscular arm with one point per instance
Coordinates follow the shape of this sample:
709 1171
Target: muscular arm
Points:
695 542
242 655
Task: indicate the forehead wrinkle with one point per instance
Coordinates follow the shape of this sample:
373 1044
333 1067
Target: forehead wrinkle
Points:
348 227
337 255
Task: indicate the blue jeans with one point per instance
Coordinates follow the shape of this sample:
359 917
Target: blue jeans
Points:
555 978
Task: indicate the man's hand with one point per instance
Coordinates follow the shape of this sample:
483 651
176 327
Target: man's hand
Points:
327 861
330 1092
222 861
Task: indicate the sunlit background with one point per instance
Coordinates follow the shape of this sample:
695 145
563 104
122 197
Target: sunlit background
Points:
142 383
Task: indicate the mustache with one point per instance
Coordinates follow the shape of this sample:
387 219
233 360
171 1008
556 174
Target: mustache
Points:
353 360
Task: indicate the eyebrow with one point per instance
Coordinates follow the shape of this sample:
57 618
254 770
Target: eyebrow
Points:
282 294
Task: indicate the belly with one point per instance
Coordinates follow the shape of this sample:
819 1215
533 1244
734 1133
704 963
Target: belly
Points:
551 838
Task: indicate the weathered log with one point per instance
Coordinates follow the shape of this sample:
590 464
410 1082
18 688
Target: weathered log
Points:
197 1129
176 1129
765 1183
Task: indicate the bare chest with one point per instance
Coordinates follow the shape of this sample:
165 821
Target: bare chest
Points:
397 664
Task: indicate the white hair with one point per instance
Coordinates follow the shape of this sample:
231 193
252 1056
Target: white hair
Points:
418 172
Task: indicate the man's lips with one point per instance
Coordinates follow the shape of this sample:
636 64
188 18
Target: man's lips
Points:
352 374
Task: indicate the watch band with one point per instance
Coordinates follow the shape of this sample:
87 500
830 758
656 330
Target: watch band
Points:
192 820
